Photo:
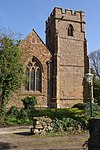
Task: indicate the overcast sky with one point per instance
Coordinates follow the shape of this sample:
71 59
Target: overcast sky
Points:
21 16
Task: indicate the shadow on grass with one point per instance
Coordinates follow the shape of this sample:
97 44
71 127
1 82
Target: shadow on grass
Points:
4 145
23 133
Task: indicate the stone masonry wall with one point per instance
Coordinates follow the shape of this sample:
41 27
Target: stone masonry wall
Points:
32 46
41 125
69 56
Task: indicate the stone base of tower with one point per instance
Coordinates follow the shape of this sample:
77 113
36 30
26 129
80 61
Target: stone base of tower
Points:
68 103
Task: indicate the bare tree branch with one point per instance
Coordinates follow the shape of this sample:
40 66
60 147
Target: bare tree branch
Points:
95 62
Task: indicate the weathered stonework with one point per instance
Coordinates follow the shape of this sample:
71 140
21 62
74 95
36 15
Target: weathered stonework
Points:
41 125
33 46
70 61
64 63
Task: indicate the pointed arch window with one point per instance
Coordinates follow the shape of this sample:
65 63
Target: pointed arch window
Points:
70 30
33 76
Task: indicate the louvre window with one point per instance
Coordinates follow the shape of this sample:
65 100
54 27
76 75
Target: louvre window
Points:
70 30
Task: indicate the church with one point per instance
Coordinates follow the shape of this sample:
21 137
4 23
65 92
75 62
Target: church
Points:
56 70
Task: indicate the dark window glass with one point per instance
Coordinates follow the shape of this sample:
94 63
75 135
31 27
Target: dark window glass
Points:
70 30
38 80
32 80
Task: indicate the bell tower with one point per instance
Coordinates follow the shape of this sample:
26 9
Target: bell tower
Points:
65 38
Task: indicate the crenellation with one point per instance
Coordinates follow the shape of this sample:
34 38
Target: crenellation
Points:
82 16
58 10
77 13
67 14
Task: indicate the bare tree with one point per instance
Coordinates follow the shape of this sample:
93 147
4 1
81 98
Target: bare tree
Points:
6 31
95 62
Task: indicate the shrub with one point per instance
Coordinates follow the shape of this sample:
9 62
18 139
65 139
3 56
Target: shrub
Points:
29 102
26 114
81 106
23 114
66 124
67 116
57 125
86 106
14 111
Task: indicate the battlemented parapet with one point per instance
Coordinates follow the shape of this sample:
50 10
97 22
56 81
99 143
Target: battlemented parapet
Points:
67 14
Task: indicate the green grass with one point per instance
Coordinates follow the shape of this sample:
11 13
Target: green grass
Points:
25 116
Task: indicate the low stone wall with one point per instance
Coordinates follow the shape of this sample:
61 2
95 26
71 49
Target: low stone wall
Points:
41 125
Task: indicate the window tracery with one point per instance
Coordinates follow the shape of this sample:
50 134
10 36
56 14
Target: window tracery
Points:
33 75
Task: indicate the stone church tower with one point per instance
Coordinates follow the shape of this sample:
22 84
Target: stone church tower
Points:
65 38
55 71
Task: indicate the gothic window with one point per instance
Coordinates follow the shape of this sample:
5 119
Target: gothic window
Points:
33 76
70 30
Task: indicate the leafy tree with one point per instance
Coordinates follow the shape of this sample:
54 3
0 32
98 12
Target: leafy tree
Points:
11 70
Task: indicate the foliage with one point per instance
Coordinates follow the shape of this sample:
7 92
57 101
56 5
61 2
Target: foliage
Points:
2 120
64 119
65 124
58 113
96 87
11 70
29 102
24 116
96 90
14 117
29 108
86 106
81 106
73 113
13 120
14 111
